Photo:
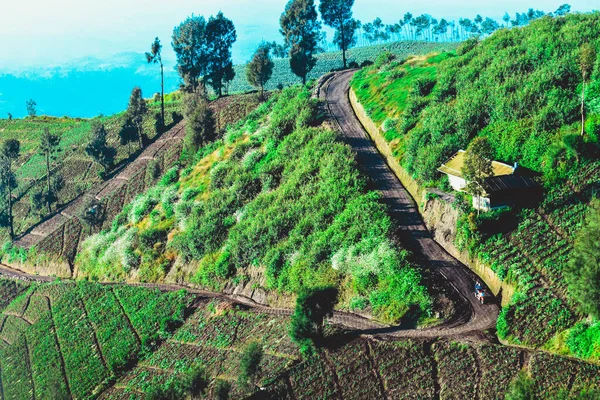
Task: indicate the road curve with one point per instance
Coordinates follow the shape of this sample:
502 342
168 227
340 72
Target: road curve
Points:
471 315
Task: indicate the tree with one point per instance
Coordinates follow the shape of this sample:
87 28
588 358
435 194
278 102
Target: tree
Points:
91 214
562 10
191 50
337 14
477 166
521 388
128 134
31 107
220 36
250 364
98 148
10 117
583 270
506 19
136 111
260 69
154 56
200 127
9 153
312 306
587 57
302 32
49 146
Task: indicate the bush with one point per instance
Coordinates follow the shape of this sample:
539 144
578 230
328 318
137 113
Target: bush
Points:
384 58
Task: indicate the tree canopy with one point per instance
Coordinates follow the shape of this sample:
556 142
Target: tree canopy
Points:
203 50
136 111
260 69
98 148
301 29
583 271
338 15
312 306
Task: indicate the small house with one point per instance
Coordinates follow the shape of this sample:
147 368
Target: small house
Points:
504 188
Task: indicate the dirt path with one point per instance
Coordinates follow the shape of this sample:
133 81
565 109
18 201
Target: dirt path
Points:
471 315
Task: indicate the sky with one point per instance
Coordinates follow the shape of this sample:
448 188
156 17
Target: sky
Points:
56 32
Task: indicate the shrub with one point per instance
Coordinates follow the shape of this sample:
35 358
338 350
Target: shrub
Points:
384 58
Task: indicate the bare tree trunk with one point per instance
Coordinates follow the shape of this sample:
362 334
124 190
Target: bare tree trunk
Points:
583 107
48 181
10 212
162 93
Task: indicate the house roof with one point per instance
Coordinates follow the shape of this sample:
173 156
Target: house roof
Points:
454 166
496 184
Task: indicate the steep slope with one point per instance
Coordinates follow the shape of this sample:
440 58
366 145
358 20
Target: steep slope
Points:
275 206
520 89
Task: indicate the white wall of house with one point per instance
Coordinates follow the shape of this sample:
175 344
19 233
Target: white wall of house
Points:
481 203
457 183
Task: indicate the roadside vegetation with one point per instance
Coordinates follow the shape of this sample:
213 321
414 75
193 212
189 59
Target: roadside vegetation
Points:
430 107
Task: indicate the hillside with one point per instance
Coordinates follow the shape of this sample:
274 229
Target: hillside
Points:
81 175
87 341
519 89
275 206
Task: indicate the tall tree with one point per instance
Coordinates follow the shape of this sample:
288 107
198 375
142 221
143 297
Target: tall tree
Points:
563 10
98 147
583 270
154 56
302 32
49 146
506 19
31 107
191 50
587 57
9 153
337 14
128 134
260 69
200 127
312 306
477 166
220 36
136 111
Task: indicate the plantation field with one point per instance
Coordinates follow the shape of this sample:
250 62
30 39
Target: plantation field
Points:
429 107
66 340
78 170
85 340
326 62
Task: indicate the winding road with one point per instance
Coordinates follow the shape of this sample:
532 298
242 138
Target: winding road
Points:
471 317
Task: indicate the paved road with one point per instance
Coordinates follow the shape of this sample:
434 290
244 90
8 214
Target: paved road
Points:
471 315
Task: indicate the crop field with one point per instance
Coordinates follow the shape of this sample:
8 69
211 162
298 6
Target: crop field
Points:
79 172
71 340
213 338
85 340
327 62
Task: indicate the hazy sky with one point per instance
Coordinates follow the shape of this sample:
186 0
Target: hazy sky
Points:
41 32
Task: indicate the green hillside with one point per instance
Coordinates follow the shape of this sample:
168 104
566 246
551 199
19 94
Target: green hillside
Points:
278 203
519 88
